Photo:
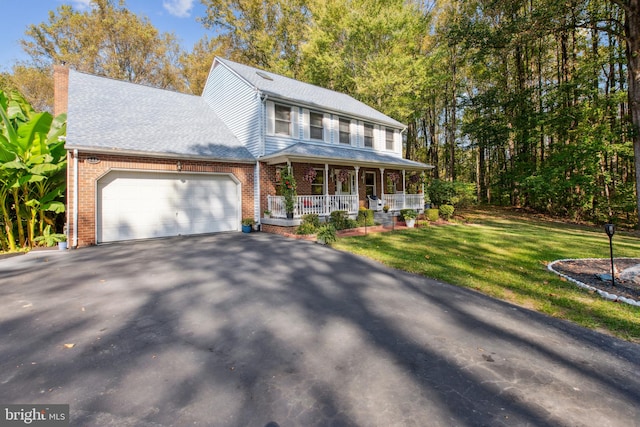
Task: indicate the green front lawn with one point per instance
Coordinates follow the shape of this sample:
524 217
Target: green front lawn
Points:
505 255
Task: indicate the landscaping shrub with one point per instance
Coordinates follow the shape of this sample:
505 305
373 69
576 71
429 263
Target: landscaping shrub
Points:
452 193
351 223
441 192
407 214
312 219
432 214
327 234
310 223
446 211
339 219
365 217
306 228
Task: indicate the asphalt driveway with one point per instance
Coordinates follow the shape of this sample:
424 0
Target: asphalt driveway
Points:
257 330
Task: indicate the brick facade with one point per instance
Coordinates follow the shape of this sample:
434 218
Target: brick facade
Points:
89 173
61 85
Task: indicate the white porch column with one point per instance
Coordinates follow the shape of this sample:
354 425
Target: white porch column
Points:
382 186
404 189
326 189
357 168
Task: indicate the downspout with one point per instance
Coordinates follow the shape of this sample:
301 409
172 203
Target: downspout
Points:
257 187
263 126
75 199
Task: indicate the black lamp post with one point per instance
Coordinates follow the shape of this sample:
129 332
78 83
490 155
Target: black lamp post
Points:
610 230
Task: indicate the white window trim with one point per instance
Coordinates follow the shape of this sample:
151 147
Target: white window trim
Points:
373 135
350 131
307 125
375 184
294 118
393 149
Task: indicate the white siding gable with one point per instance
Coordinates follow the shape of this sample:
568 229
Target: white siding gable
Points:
237 104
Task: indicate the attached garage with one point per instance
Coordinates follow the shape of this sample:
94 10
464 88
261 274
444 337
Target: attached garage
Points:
141 205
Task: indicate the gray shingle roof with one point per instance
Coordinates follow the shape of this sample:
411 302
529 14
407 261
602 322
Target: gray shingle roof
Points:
308 152
287 88
106 114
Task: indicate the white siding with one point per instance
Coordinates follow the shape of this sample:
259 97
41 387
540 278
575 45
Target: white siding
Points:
326 124
306 123
237 104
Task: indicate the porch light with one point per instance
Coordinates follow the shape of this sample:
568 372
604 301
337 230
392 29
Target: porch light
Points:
610 230
179 166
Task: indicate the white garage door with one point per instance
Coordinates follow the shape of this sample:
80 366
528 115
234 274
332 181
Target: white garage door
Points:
141 205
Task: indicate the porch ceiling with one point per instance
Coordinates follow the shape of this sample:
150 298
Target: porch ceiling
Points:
311 153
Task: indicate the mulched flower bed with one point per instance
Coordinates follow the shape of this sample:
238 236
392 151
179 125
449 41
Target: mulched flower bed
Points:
587 271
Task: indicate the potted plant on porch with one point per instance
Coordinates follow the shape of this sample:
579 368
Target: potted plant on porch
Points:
247 225
288 187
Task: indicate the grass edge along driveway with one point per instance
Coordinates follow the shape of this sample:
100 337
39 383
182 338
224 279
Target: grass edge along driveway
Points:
505 256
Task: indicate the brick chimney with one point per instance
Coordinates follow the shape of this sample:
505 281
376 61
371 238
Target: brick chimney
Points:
60 89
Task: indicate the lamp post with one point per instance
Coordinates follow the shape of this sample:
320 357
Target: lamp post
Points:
610 230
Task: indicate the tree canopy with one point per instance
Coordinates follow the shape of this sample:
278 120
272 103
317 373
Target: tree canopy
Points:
536 102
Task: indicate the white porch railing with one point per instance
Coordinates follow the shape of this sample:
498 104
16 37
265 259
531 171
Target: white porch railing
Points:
404 201
319 205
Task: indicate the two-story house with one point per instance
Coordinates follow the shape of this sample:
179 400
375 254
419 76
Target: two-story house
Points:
146 162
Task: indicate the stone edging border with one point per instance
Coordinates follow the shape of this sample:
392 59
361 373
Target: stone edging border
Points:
603 294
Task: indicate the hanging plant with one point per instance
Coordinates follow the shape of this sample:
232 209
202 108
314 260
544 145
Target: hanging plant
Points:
343 175
310 175
394 177
415 178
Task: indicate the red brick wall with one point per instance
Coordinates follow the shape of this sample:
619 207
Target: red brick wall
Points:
88 174
60 89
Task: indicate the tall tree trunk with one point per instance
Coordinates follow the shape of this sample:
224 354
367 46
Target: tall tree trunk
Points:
632 29
452 123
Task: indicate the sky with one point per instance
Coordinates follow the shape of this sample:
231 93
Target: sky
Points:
176 16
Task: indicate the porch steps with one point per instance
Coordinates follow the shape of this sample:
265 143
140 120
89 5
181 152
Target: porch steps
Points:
382 218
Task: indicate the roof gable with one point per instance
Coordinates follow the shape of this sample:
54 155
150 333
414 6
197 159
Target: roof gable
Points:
108 114
304 93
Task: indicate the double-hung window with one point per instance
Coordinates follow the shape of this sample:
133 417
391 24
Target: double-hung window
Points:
283 120
389 139
315 126
345 132
317 186
368 135
370 183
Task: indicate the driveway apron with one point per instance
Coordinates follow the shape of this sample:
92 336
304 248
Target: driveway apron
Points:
258 330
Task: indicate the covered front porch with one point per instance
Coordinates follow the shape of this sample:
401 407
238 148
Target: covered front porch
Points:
323 205
332 178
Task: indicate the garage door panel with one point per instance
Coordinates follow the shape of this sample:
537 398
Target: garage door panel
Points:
134 205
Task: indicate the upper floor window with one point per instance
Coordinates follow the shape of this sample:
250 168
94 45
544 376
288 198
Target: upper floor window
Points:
368 135
389 139
283 120
315 126
345 133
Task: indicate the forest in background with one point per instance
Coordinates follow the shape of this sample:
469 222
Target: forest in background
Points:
527 100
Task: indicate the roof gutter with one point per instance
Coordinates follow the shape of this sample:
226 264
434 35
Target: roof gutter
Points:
115 152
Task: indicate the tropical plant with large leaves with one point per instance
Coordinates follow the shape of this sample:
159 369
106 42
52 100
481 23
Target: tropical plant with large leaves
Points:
32 170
